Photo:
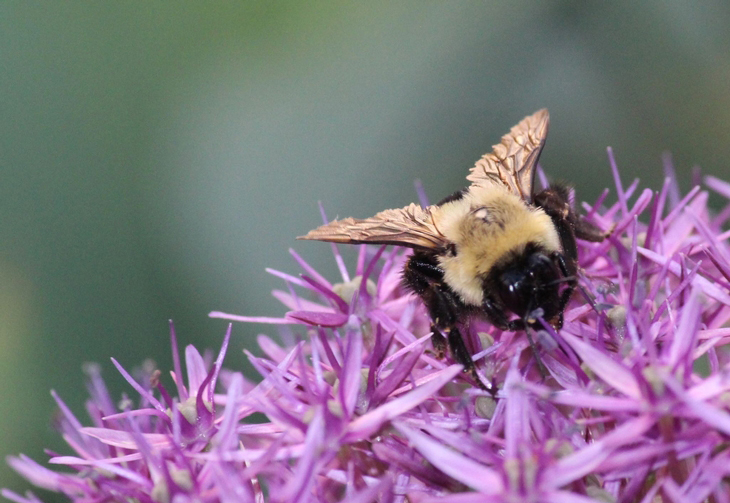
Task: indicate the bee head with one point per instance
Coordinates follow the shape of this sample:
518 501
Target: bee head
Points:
531 282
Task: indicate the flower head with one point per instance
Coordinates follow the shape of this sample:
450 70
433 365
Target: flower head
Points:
634 405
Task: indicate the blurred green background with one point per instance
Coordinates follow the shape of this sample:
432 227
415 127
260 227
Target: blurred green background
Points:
155 157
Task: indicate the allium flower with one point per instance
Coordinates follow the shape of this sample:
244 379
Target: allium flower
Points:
354 406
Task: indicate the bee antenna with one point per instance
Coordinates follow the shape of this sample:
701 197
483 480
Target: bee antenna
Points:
565 279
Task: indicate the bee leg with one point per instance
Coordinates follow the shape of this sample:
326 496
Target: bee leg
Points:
457 348
460 353
438 341
568 271
495 315
588 232
423 276
444 307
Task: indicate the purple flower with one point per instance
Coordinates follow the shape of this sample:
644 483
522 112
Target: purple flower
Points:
355 406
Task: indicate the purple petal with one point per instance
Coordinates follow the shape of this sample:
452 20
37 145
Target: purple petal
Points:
708 235
397 375
468 472
181 391
112 468
369 270
73 460
294 280
403 335
35 473
361 252
226 437
219 362
369 494
17 498
250 319
100 397
578 398
517 425
678 207
584 461
617 181
125 439
711 387
271 349
708 288
69 416
139 389
369 423
708 413
351 375
196 369
298 487
296 303
567 497
421 193
720 186
317 277
613 373
656 213
318 318
686 333
709 478
673 491
470 497
335 249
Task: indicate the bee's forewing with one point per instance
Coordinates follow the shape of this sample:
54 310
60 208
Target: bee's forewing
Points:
412 226
512 162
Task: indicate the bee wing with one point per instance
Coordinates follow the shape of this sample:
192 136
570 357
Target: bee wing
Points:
512 162
412 226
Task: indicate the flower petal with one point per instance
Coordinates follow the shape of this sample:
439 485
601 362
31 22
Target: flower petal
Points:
318 318
369 423
612 372
468 472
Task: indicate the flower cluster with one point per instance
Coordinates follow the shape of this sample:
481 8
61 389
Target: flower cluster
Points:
629 401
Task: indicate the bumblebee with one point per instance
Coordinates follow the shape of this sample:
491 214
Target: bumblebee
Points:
495 249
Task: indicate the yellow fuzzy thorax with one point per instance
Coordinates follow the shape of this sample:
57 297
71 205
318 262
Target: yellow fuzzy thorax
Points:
485 225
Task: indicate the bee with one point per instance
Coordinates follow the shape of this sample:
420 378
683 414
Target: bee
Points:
495 249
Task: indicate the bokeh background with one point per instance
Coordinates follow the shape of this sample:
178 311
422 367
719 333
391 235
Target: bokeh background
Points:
156 157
